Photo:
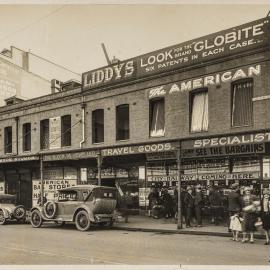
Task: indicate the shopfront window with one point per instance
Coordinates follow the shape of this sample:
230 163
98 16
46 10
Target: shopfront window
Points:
8 140
44 134
157 118
122 122
199 111
242 107
98 126
66 130
27 137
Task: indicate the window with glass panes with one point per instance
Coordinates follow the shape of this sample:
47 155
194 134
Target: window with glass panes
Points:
8 139
157 117
66 130
27 137
44 133
98 126
122 122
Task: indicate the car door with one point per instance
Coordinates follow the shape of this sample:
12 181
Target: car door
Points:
70 205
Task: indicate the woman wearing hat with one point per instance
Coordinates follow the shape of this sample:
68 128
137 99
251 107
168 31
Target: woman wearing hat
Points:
265 215
250 217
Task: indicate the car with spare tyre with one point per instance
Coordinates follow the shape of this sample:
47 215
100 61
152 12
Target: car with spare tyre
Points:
9 211
84 205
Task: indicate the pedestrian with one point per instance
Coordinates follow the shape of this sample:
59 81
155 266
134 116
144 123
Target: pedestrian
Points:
198 205
153 198
234 201
189 203
250 215
265 215
215 200
168 204
236 225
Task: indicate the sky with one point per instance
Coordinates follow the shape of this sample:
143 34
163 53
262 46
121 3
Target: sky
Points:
71 35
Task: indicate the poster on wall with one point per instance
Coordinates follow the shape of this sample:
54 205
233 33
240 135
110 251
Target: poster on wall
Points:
143 196
55 132
50 188
2 187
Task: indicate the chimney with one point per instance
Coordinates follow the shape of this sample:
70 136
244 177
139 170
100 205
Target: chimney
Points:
56 86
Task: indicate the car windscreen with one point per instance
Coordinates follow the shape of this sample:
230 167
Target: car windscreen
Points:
7 200
102 193
67 196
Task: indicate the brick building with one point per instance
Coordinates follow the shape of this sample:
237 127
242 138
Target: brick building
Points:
208 97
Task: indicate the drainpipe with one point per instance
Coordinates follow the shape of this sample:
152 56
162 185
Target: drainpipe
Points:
17 134
83 105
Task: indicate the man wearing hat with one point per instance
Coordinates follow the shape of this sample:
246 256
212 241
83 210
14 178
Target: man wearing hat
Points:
198 203
189 203
234 200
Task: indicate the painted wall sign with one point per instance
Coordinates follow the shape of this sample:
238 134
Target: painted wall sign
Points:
139 149
55 133
205 81
227 140
228 42
255 148
50 188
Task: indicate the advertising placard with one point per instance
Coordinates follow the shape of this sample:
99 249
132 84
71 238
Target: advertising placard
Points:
2 187
143 196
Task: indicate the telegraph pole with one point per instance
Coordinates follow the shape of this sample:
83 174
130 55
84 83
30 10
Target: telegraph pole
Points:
179 216
42 181
99 163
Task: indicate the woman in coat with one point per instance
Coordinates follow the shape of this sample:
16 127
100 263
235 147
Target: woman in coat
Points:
265 215
250 218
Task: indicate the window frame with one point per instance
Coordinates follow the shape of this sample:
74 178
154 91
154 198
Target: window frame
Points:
232 99
94 139
25 136
117 122
151 101
8 145
191 99
41 127
64 132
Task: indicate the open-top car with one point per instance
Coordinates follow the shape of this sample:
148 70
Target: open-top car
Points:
9 211
82 204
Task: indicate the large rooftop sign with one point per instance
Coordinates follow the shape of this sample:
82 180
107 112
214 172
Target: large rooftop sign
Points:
235 40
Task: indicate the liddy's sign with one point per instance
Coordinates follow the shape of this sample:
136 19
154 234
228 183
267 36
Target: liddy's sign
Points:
235 40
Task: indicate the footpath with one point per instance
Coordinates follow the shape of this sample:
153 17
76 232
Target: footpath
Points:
169 226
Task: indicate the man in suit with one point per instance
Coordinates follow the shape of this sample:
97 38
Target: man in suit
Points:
189 203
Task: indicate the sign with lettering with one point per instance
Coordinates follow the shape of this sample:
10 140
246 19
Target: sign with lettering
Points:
55 133
18 159
161 156
70 155
2 187
255 148
162 178
205 81
228 42
254 138
50 188
139 149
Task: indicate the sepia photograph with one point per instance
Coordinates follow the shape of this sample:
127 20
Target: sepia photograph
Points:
134 133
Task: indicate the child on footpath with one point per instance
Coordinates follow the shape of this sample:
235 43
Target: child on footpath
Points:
236 225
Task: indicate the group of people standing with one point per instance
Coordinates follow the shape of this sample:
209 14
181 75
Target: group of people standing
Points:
247 212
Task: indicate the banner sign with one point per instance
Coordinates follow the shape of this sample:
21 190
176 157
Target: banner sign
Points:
71 156
254 148
228 42
143 196
50 188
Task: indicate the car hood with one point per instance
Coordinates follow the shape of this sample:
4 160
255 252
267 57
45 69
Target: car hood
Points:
8 207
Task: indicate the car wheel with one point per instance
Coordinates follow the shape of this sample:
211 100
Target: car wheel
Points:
19 212
36 219
50 209
2 217
82 221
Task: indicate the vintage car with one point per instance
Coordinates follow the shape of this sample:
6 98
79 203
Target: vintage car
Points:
82 204
9 211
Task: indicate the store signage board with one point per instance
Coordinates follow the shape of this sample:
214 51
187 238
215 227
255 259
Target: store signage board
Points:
18 159
224 150
139 149
224 43
70 156
254 138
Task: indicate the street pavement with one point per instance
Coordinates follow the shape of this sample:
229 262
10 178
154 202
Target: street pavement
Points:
22 244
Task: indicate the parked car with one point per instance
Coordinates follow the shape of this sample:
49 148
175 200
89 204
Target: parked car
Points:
82 204
9 211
